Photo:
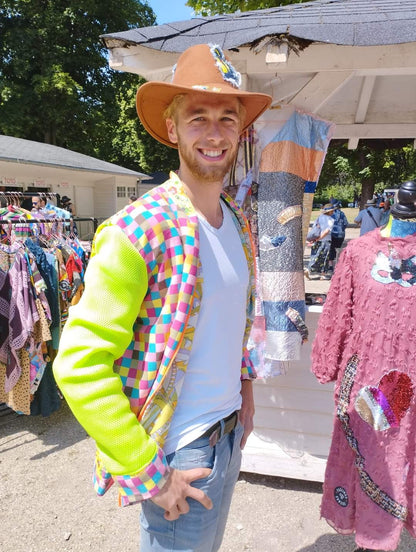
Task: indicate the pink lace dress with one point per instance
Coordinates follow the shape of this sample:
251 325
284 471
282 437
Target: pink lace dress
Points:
366 343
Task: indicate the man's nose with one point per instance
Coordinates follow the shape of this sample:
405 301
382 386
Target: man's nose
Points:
214 131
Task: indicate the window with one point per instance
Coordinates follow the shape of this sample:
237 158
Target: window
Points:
121 191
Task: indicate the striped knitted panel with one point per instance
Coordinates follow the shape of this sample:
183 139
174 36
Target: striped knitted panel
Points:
289 169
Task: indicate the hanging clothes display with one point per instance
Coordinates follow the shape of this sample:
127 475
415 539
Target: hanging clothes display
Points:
274 179
41 274
366 343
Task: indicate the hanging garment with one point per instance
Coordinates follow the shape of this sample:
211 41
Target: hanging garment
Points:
366 343
20 310
33 306
292 154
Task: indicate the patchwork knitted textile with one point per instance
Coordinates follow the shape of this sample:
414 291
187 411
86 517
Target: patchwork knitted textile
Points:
290 163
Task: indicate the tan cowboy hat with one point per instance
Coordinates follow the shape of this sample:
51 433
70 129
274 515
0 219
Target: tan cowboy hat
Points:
202 68
328 208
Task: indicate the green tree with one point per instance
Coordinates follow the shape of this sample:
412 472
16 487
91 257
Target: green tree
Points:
132 146
215 7
55 82
372 167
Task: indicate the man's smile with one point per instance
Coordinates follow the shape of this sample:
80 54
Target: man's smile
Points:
212 153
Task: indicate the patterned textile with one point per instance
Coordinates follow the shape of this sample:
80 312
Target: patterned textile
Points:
167 305
289 168
21 310
365 342
318 263
18 398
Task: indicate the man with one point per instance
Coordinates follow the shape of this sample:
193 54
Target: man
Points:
337 234
385 211
66 204
321 245
153 360
38 203
369 217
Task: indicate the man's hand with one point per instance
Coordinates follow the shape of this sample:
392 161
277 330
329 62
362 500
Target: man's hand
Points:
172 497
247 410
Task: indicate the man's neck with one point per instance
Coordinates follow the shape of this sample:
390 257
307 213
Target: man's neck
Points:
205 197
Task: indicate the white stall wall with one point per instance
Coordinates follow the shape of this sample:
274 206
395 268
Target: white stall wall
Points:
105 198
84 201
293 420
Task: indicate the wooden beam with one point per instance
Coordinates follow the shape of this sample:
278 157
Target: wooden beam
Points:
353 143
319 90
366 130
365 96
396 59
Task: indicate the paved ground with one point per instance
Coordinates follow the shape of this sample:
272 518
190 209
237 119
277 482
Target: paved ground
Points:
47 503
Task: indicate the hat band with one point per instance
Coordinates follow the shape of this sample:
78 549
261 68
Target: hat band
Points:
207 88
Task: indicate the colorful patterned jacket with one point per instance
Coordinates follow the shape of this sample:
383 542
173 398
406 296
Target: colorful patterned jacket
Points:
124 349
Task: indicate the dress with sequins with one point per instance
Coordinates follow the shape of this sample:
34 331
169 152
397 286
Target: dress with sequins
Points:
366 343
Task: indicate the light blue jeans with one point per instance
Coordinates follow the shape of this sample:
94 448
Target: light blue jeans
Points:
200 530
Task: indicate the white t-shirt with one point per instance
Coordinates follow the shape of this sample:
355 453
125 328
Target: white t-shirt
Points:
211 387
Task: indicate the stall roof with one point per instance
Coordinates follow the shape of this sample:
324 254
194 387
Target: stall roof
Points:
28 152
352 62
343 22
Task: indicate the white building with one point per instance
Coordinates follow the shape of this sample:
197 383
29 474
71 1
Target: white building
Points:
97 188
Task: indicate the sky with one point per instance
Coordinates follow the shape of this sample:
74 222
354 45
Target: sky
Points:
170 10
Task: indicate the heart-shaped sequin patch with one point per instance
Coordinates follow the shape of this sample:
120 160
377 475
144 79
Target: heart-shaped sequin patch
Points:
385 405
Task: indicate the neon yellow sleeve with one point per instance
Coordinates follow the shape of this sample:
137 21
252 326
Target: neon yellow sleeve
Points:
98 330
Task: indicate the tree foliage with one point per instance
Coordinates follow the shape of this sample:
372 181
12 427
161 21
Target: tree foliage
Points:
55 82
131 145
368 169
215 7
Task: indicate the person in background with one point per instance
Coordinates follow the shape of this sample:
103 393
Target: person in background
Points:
337 234
319 259
153 360
38 203
385 212
66 204
132 199
369 217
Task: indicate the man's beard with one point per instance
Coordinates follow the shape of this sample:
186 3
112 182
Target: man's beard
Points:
214 173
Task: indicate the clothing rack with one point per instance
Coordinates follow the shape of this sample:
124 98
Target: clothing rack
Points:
16 194
24 220
37 394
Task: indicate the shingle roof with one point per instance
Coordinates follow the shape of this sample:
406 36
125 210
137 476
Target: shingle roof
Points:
26 151
343 22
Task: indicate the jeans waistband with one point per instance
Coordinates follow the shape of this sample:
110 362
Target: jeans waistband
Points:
220 428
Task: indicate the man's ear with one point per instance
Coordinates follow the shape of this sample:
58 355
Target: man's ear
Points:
171 127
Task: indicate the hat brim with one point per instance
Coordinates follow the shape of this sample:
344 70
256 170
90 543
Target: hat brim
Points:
153 98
